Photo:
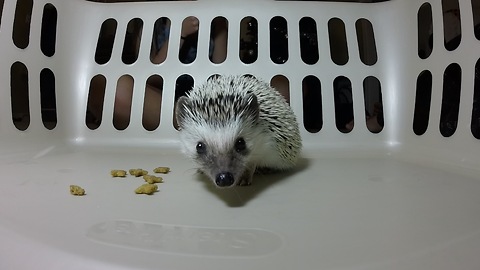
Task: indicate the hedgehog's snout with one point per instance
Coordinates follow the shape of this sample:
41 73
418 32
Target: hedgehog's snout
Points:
224 179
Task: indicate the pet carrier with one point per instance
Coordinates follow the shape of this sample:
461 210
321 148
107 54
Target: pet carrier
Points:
386 95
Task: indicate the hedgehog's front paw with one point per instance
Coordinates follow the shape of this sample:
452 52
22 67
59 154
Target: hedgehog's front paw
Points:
245 182
246 179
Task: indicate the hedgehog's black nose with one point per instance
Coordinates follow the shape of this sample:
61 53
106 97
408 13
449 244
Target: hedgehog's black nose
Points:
224 179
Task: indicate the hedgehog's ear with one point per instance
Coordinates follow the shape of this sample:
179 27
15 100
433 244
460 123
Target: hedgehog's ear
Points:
252 107
181 110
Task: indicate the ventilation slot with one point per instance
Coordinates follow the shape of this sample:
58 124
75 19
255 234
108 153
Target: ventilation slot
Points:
342 88
451 24
282 85
1 12
338 41
312 104
96 96
160 38
19 96
278 40
422 102
106 37
123 102
450 100
248 40
214 76
425 37
131 44
366 42
47 98
219 36
49 30
21 24
189 40
476 18
475 125
308 41
152 102
183 85
373 104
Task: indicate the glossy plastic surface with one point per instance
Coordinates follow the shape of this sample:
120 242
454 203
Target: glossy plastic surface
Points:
358 200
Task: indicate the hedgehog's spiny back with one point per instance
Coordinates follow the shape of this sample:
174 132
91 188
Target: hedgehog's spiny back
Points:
221 100
220 109
240 86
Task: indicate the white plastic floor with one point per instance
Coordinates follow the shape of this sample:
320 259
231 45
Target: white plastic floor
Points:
333 213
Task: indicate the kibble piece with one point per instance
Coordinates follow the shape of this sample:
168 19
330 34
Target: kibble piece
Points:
118 173
148 189
161 170
152 179
76 190
137 172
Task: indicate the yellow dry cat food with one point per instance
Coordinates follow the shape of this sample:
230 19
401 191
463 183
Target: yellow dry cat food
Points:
148 189
152 179
118 173
76 190
137 172
161 170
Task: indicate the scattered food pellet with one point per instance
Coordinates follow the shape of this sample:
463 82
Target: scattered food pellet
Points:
137 172
148 189
76 190
152 179
161 170
118 173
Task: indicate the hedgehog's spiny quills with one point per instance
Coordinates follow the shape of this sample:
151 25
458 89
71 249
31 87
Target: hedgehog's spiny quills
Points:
220 109
232 124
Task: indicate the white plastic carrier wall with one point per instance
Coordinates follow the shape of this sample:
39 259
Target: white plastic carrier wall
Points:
386 95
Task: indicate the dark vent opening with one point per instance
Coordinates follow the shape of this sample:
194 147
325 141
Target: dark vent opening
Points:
424 28
218 36
450 100
1 12
312 104
475 125
342 90
183 85
308 41
366 42
373 104
189 40
152 102
123 102
106 38
131 45
96 96
248 40
278 40
19 96
48 98
282 85
452 32
21 24
476 18
160 39
423 99
49 30
338 41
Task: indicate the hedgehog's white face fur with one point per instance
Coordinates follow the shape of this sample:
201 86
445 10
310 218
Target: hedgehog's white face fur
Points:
222 130
219 134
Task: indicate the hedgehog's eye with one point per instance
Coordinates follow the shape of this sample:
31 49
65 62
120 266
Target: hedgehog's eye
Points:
240 145
201 148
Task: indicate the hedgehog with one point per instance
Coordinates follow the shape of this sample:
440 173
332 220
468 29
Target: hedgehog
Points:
233 126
